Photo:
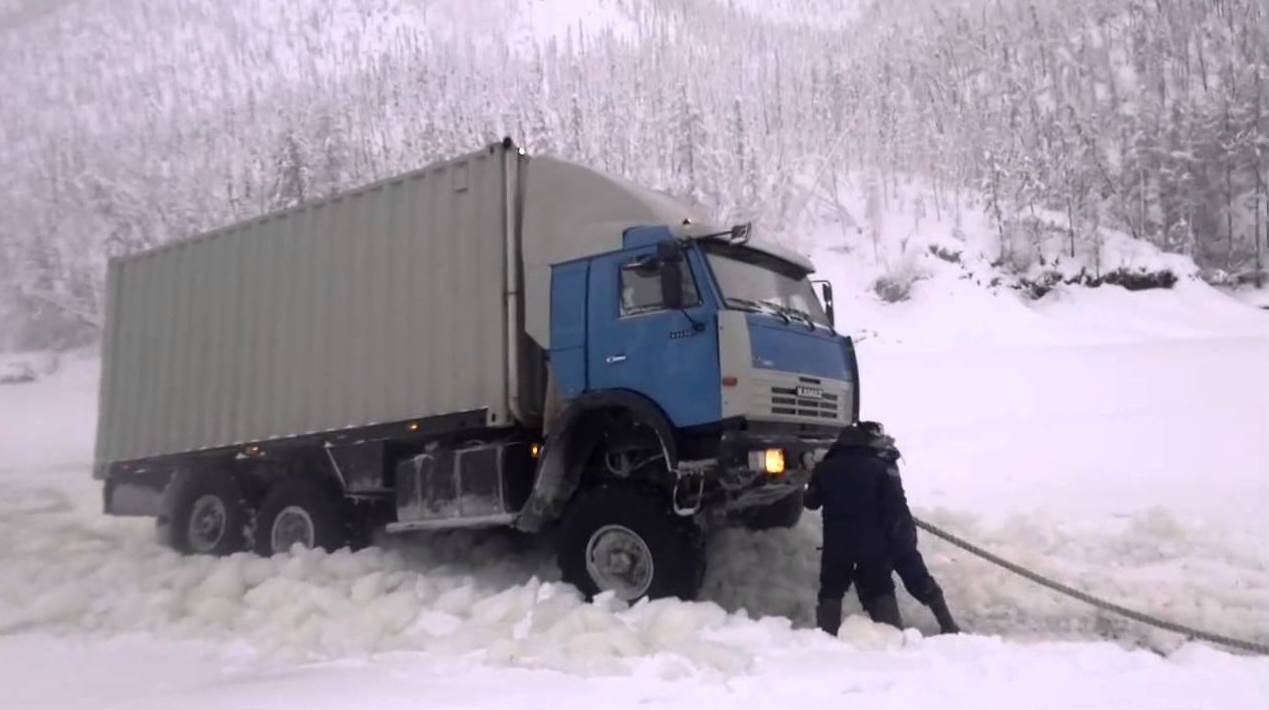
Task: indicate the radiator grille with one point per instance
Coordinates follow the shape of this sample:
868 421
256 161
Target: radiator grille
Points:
805 401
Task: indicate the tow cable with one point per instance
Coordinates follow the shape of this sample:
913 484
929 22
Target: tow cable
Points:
1249 646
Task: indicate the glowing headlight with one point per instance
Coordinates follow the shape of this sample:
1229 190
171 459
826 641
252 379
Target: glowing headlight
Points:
769 461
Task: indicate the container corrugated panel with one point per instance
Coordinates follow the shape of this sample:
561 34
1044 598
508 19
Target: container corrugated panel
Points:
380 305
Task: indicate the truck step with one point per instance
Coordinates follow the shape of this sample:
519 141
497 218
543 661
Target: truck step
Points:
484 521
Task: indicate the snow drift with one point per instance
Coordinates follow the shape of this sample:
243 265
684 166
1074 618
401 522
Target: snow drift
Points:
494 596
1160 506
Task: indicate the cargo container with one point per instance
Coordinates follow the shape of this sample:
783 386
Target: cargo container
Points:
492 340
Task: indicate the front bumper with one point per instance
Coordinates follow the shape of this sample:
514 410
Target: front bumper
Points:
744 487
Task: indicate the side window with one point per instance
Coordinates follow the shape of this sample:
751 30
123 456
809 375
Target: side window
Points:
641 287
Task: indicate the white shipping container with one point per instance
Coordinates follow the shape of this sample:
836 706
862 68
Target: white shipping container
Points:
383 304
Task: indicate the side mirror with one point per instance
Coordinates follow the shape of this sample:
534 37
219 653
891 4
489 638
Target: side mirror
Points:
669 250
826 296
671 284
669 258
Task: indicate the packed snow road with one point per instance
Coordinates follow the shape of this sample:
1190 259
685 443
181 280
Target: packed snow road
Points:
1134 467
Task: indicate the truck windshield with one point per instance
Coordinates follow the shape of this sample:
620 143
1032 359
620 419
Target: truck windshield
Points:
756 281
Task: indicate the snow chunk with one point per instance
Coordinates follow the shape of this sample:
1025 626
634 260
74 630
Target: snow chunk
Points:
864 634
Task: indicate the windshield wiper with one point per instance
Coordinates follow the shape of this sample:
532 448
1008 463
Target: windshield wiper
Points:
758 307
786 310
749 304
803 315
772 308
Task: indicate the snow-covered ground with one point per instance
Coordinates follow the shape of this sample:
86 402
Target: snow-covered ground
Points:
1116 440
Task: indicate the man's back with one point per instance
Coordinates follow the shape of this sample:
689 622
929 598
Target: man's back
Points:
850 486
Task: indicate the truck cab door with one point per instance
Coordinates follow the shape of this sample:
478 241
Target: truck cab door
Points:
635 343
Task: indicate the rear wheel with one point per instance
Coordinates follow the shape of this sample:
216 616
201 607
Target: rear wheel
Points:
625 539
299 511
206 514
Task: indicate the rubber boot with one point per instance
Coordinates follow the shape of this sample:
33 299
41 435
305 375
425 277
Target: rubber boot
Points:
885 610
828 616
947 625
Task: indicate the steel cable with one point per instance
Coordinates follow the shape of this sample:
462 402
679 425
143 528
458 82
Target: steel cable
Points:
1243 645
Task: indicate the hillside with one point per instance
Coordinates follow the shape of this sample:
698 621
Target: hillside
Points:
132 122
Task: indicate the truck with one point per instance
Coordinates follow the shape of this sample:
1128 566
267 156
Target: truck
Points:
496 339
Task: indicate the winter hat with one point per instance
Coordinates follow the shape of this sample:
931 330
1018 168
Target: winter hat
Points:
876 437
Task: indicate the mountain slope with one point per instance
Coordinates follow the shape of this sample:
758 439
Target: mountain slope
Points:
132 122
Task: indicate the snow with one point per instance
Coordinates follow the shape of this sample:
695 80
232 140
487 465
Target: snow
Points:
1115 440
562 19
1257 297
806 671
811 15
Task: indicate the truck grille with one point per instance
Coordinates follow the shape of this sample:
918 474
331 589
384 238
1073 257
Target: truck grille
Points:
805 401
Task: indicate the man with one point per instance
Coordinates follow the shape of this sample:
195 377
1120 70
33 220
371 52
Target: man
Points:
868 532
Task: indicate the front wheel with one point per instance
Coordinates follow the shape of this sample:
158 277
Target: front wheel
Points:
627 540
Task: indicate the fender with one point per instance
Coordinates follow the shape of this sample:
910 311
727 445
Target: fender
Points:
559 469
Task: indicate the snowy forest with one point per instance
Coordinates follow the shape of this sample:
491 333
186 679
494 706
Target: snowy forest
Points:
127 123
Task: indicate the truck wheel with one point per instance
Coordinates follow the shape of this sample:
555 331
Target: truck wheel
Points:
205 515
296 510
626 540
784 513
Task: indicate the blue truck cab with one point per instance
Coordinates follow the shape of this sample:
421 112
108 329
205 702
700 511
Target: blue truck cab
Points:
725 381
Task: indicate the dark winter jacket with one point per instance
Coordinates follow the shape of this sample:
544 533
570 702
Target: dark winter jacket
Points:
857 484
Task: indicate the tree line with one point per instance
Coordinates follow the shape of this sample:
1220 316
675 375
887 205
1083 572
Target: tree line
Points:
135 122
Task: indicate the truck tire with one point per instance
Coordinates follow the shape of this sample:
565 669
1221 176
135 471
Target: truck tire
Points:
626 539
298 510
204 514
784 513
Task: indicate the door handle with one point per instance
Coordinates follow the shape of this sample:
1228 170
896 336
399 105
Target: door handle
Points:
614 359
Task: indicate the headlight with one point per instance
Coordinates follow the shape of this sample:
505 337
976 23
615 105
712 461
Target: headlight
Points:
769 461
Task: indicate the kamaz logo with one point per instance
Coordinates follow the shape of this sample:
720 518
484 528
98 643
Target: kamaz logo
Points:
812 392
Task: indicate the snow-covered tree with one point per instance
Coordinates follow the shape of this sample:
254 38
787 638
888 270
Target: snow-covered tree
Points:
1147 117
